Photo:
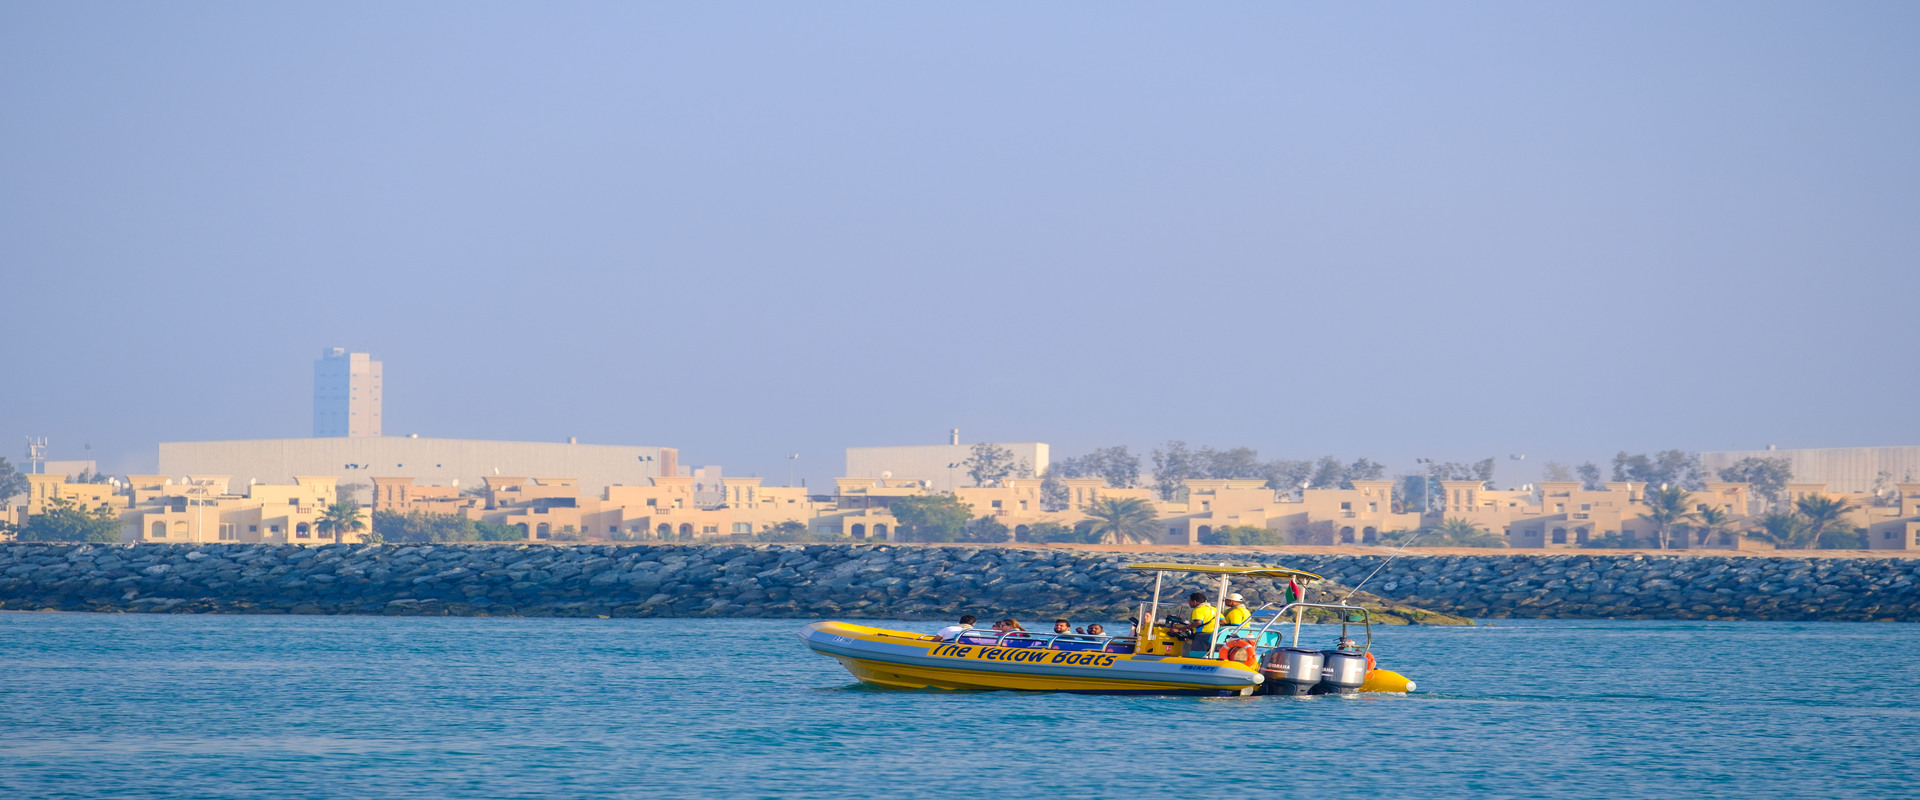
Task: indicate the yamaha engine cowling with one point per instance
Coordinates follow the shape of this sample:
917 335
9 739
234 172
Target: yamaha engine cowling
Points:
1342 672
1293 671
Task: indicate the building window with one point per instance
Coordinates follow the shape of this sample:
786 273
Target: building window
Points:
1586 506
253 529
709 529
653 502
743 527
1346 506
996 504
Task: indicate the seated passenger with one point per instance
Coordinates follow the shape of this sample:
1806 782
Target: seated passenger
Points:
1237 612
1062 626
951 632
1096 629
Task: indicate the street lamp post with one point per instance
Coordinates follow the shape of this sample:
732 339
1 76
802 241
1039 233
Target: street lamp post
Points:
791 457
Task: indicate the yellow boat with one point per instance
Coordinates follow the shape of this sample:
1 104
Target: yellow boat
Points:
1155 659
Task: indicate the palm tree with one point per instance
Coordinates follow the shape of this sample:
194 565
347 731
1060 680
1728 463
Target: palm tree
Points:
1710 520
341 518
1666 507
1824 515
1127 519
1782 528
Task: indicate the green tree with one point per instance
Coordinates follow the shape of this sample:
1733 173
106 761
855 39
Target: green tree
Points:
1124 520
1784 529
787 531
353 491
1589 473
932 518
1611 540
1116 466
992 465
1457 532
1709 521
1054 532
90 476
1556 471
1668 467
1767 476
341 519
1666 507
12 483
987 530
1241 536
1285 475
65 521
1173 465
1827 524
498 531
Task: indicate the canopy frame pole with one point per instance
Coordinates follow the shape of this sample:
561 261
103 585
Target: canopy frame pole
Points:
1153 614
1298 612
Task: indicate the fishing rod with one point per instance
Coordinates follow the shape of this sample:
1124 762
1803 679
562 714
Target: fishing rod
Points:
1383 565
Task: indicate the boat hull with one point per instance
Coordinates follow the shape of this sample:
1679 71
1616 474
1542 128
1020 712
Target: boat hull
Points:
909 660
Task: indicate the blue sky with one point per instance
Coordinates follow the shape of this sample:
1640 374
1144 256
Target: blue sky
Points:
1391 230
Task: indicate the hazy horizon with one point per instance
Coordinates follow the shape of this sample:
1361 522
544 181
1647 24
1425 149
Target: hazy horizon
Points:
745 230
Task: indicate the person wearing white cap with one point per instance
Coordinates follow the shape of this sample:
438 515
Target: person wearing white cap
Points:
1237 612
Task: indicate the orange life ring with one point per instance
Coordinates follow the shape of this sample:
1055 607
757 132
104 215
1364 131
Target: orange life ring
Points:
1369 660
1240 650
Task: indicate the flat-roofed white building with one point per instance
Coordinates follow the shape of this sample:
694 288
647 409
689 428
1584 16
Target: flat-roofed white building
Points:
1842 469
942 465
428 461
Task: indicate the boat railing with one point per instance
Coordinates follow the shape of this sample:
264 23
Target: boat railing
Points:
1045 640
1298 611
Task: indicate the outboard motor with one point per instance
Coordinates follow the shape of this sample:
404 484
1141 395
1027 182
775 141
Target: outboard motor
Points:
1342 673
1293 671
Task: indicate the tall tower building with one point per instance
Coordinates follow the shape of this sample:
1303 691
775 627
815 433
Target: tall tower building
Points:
346 394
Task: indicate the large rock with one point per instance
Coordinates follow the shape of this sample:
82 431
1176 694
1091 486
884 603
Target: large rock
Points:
814 580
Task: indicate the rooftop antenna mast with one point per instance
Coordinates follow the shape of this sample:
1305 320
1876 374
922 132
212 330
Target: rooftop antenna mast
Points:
36 455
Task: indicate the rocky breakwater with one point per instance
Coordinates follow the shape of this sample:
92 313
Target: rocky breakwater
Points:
811 581
1588 585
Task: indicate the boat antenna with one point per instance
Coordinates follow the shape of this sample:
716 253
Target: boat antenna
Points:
1383 565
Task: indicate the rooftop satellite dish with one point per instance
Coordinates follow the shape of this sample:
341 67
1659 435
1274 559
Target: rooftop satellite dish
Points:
887 474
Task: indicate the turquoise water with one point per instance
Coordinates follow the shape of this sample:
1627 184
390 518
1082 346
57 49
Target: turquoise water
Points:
355 707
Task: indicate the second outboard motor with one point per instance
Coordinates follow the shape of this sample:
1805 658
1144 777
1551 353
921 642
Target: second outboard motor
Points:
1343 672
1293 671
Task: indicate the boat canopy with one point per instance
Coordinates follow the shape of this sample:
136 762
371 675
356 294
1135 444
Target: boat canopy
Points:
1258 572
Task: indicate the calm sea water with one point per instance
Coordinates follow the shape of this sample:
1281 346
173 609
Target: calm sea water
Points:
354 707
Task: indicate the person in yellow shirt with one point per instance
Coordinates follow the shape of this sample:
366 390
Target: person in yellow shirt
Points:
1202 621
1237 612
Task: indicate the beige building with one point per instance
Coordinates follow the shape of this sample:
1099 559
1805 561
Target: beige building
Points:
1848 470
440 462
1887 522
943 466
346 394
199 509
